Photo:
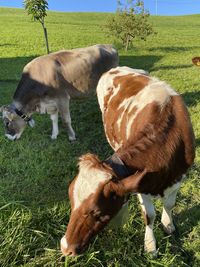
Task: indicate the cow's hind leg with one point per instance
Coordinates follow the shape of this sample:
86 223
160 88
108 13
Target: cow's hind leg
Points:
66 118
149 217
169 200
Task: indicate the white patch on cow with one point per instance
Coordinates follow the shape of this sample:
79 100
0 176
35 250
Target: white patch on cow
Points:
126 102
106 82
115 145
63 242
169 200
63 245
87 182
115 92
125 105
119 120
155 91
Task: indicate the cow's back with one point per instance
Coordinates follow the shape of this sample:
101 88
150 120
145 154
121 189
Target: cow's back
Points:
146 122
77 71
85 66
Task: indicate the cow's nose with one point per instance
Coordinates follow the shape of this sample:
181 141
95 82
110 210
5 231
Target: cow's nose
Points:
68 250
71 251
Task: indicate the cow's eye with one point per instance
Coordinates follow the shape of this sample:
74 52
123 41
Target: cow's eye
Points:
113 196
7 123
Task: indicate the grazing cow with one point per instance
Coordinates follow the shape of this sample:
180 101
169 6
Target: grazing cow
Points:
148 126
48 82
196 61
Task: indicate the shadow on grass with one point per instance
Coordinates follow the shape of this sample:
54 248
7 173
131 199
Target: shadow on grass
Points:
168 49
11 68
148 62
139 62
191 98
190 217
6 44
172 67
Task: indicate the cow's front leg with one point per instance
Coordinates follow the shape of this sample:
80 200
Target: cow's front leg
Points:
55 131
148 212
169 200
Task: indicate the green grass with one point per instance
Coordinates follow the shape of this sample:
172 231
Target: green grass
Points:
35 172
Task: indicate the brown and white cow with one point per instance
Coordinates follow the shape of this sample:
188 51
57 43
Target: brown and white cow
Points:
148 126
48 82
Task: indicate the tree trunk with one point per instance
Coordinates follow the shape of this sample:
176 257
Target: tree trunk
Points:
127 42
46 38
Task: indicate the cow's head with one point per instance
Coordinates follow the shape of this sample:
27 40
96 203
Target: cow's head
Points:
14 124
96 196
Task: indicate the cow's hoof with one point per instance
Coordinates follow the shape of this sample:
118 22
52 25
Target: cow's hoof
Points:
72 139
53 137
151 253
150 248
168 229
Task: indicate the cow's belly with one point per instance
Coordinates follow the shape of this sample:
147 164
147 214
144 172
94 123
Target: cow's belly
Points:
47 106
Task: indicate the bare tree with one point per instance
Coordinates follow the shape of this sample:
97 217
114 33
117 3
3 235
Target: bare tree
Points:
37 8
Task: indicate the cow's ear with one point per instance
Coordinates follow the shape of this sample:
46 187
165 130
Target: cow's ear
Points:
9 114
113 188
131 183
2 108
127 185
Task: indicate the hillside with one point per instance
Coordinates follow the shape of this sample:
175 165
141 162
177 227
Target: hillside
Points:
35 172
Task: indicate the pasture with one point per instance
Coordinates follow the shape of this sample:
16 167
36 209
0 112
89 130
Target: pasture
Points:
35 171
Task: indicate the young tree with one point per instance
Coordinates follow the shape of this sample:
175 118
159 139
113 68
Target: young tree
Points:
37 8
129 22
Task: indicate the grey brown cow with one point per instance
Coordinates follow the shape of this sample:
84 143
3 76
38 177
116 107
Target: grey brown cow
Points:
148 126
48 82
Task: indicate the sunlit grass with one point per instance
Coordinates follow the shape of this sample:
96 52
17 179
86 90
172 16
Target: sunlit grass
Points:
35 172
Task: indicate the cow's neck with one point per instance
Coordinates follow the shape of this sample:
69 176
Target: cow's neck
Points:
26 108
118 166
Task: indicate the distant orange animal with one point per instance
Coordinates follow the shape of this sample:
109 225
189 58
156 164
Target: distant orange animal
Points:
196 61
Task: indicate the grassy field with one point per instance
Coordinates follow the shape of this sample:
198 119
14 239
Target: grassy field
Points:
35 172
